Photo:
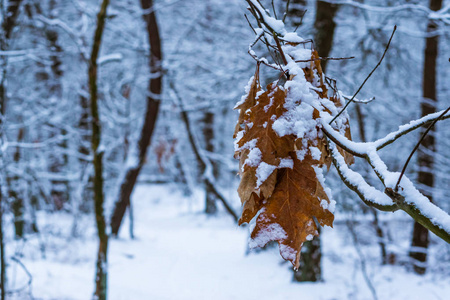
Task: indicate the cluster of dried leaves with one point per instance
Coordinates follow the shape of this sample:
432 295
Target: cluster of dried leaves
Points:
279 187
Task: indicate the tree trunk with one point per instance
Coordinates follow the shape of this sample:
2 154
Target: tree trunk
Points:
2 249
208 131
310 260
324 26
208 134
420 239
102 261
376 224
153 101
16 193
9 19
59 188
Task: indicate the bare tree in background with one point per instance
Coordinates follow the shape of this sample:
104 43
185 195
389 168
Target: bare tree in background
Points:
137 154
9 11
420 238
101 278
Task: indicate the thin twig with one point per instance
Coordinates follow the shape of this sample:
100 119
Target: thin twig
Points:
274 11
30 277
362 258
250 24
360 101
301 20
265 42
367 78
264 62
286 10
417 146
279 48
324 58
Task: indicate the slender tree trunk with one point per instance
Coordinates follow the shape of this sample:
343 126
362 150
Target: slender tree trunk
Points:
153 100
59 189
376 224
420 238
10 13
324 27
102 261
310 260
16 194
208 134
203 162
2 249
13 182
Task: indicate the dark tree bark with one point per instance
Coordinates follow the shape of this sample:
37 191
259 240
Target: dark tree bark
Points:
59 189
324 25
16 194
2 251
420 238
153 101
102 261
208 134
208 131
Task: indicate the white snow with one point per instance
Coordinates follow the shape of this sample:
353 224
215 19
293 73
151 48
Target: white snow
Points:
246 92
315 153
292 37
286 163
180 254
253 158
263 172
270 233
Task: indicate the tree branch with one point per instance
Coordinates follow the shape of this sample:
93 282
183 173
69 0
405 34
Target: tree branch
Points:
203 161
417 146
409 200
356 148
418 215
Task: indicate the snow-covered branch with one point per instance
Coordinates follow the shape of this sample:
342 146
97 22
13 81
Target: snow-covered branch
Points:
359 149
442 14
407 198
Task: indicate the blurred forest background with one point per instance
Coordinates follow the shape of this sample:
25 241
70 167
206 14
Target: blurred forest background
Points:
169 75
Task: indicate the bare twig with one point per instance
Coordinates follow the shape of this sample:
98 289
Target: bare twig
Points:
265 62
277 41
417 146
301 20
286 10
250 24
274 11
324 58
30 277
360 101
362 258
367 78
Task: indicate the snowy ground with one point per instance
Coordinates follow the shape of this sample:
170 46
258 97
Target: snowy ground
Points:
179 253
